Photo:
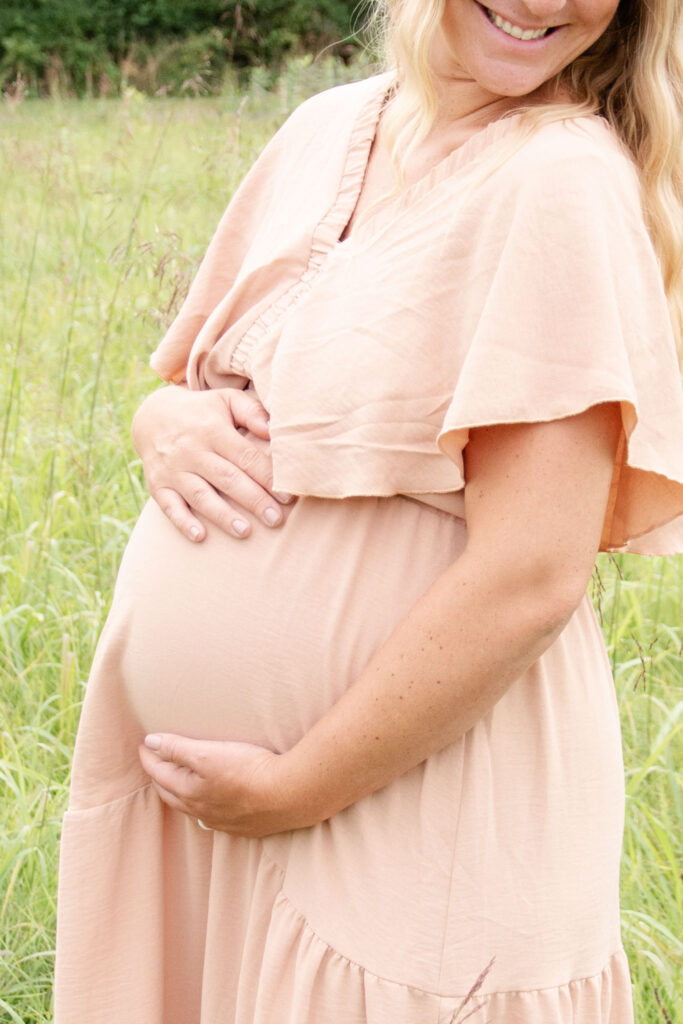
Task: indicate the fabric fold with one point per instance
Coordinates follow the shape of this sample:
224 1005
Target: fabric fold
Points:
590 327
515 282
330 987
517 290
223 894
273 237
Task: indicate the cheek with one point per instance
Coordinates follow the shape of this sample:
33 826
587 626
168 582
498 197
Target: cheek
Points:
598 16
448 28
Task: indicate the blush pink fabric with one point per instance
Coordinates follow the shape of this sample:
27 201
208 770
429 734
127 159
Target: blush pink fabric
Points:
515 282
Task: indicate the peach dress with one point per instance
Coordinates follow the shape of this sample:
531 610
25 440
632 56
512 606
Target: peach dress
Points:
515 282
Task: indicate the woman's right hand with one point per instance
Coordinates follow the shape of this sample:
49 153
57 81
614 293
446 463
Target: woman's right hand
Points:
196 459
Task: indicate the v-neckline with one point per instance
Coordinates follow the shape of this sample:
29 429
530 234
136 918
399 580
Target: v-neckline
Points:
325 239
363 137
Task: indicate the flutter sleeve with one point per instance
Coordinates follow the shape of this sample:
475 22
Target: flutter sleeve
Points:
574 314
281 222
257 246
220 266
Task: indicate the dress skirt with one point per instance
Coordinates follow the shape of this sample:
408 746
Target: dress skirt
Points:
495 862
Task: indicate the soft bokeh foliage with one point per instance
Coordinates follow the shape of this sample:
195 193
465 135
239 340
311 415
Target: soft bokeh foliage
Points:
97 47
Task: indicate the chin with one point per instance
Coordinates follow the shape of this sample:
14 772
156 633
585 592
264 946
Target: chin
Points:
514 86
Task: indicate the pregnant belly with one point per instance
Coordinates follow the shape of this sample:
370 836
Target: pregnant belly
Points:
253 640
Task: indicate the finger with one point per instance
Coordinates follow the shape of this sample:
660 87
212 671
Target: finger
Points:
247 411
172 801
258 465
164 773
240 483
202 498
220 483
241 456
184 784
175 509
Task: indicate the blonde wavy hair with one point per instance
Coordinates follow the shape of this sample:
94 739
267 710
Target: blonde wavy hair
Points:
632 76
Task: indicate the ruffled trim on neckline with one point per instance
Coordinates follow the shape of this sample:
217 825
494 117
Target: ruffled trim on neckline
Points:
327 235
472 155
328 229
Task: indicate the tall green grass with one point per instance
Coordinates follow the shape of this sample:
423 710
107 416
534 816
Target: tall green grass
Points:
105 210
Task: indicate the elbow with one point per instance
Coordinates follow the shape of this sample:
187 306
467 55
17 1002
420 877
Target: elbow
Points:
541 592
555 595
534 592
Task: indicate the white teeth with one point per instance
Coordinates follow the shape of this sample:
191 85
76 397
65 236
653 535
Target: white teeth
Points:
514 30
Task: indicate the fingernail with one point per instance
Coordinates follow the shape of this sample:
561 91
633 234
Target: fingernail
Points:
282 496
240 526
194 533
272 516
153 742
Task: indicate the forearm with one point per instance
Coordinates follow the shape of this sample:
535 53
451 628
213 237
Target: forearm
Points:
535 502
446 664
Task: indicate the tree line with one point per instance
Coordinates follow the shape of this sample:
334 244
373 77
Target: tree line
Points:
165 46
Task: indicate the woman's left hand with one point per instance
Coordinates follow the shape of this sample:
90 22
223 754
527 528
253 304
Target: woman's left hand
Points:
230 787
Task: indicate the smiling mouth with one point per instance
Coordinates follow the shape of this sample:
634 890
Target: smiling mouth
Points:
516 31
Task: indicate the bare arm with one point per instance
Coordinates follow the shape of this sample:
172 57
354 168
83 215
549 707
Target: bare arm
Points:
535 499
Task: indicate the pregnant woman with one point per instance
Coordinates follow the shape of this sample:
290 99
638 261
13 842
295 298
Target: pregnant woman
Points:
348 759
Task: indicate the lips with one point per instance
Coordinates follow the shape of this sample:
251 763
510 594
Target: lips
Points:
516 31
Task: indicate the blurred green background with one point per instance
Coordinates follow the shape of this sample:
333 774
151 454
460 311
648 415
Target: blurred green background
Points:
124 129
163 47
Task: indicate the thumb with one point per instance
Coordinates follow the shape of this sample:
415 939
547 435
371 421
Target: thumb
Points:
179 750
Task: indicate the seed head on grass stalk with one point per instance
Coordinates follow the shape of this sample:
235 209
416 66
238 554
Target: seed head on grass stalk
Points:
465 1011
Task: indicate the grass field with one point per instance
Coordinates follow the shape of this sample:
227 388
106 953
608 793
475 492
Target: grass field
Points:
105 209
